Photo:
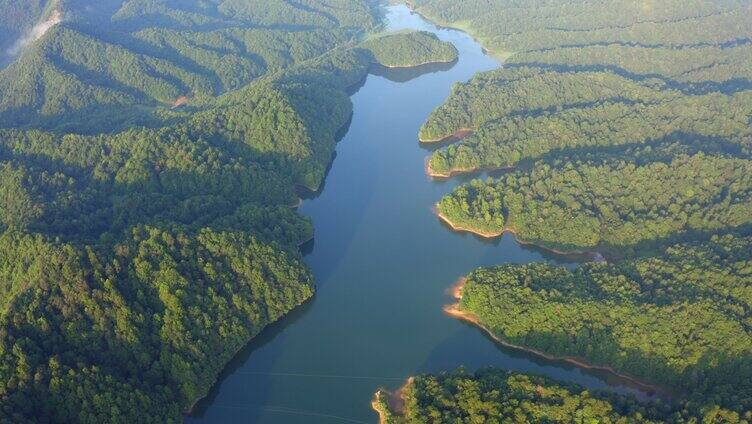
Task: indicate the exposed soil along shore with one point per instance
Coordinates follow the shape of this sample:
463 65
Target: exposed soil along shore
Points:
297 204
373 194
439 175
180 101
456 289
455 136
430 62
394 400
454 310
593 255
460 171
456 227
376 406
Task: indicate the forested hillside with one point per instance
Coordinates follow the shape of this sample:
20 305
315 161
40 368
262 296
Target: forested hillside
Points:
680 319
17 22
622 127
525 113
497 396
150 154
533 26
154 55
608 202
586 87
573 70
410 49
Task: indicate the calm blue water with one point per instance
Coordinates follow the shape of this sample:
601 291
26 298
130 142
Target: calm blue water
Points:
383 263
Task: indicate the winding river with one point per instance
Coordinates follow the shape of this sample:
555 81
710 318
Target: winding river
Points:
383 263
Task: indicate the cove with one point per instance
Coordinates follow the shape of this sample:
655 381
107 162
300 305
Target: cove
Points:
383 263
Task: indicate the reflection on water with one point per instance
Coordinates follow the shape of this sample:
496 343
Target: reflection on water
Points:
382 263
407 74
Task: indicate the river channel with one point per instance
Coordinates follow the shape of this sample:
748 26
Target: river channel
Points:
382 263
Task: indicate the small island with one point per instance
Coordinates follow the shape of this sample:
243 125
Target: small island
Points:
409 49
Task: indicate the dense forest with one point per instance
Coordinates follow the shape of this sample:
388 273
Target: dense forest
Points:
491 96
608 202
152 151
150 157
17 24
137 332
133 71
410 49
681 318
513 27
569 76
493 396
525 113
622 127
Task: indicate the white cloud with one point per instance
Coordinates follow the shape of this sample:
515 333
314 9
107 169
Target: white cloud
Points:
35 33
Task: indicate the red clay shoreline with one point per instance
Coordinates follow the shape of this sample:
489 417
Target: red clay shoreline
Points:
395 401
455 311
459 228
433 174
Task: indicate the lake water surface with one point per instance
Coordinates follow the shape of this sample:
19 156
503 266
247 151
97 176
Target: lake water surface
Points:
382 263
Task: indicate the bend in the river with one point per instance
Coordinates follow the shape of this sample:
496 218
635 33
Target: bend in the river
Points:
382 262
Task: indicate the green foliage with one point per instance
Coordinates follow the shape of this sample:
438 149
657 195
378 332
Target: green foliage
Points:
522 114
681 318
409 49
72 76
687 40
302 13
727 66
527 91
189 246
128 65
231 58
623 72
18 206
16 18
91 186
139 332
612 203
491 396
289 122
628 123
136 260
